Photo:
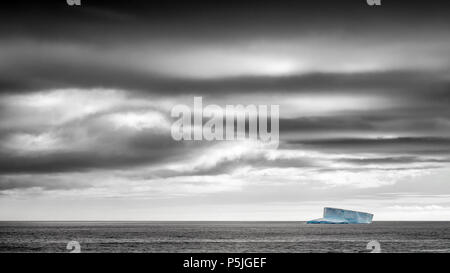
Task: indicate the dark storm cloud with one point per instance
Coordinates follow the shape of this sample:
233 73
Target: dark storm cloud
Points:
46 183
320 124
47 74
394 160
103 26
387 170
398 145
109 20
413 120
20 76
56 162
445 142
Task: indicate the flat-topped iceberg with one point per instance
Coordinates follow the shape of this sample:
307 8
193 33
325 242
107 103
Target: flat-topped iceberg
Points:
342 216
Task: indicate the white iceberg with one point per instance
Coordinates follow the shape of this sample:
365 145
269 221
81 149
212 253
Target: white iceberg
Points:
342 216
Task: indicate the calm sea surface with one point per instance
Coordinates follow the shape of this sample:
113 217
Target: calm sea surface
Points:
223 236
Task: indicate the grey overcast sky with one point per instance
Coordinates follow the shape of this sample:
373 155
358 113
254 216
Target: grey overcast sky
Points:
86 93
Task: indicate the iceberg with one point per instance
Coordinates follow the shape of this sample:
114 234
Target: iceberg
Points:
342 216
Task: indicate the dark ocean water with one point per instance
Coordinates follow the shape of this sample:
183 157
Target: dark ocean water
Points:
223 236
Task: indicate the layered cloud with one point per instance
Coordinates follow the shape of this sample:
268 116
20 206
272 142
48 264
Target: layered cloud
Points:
85 103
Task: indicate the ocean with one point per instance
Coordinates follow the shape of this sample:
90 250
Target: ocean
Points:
223 236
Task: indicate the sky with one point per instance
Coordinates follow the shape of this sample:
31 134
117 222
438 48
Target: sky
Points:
86 94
